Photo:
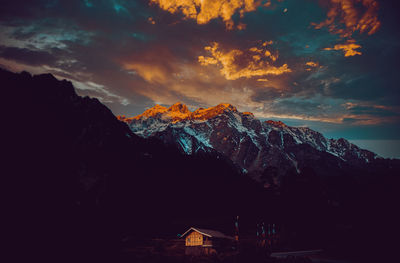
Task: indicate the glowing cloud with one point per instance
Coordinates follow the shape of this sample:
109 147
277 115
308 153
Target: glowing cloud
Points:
311 64
205 10
150 73
344 18
235 64
349 49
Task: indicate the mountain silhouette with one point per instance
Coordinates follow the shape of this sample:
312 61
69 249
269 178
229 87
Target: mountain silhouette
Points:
79 181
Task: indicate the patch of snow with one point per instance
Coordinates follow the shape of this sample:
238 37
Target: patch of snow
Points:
202 138
186 144
243 130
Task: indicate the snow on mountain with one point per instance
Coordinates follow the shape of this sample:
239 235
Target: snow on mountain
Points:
255 146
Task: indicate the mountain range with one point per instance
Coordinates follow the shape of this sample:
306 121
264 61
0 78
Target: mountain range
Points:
78 181
265 150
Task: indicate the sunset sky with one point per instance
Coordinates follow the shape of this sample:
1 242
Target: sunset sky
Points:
331 65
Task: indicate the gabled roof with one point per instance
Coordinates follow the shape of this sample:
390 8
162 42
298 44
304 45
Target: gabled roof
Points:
208 233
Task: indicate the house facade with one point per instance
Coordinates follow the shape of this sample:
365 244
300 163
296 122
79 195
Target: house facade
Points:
199 241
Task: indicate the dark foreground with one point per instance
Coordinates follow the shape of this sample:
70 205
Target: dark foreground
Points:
174 251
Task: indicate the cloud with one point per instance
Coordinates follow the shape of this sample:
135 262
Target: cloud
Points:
266 94
102 92
151 73
203 11
369 108
168 79
311 64
321 109
344 18
349 49
235 63
27 56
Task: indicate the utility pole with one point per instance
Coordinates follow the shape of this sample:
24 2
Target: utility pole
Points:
237 232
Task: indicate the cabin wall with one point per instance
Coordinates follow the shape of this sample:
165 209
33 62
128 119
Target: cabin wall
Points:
194 239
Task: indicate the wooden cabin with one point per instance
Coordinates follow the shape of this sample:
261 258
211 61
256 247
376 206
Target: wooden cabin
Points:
200 241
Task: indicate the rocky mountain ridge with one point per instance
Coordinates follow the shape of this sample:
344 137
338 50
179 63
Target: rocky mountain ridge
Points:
255 146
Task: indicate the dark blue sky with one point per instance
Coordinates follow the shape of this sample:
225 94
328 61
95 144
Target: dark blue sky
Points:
328 64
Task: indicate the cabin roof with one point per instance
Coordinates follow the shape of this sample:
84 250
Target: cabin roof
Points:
208 232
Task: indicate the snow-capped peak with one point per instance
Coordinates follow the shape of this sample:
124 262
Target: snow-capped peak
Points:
179 107
251 144
276 123
179 112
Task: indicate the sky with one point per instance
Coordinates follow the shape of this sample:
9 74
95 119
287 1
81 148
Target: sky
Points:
330 65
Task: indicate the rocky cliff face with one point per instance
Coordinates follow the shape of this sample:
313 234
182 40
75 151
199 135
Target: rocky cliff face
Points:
255 146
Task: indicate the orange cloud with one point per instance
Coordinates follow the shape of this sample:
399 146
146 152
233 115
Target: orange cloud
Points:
235 64
311 64
351 105
267 114
344 18
349 49
205 10
149 72
151 20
